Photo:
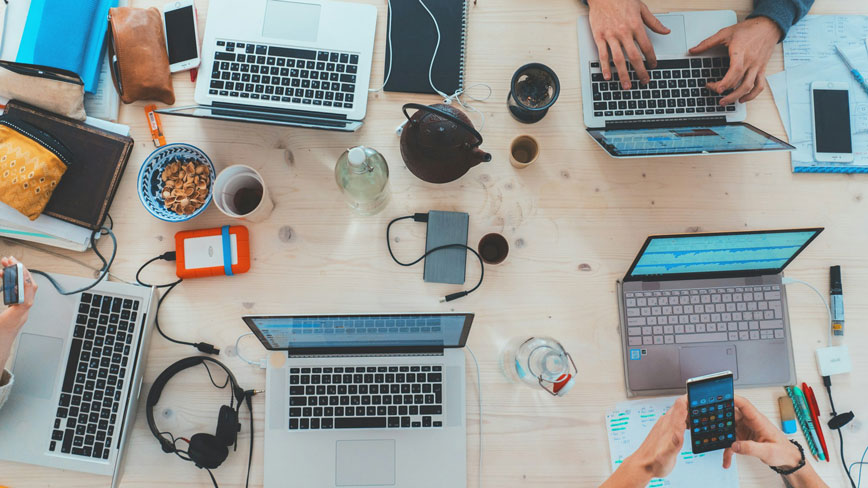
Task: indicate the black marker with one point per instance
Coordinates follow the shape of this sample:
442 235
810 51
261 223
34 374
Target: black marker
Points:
836 295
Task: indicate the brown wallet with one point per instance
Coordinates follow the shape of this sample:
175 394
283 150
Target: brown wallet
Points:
138 57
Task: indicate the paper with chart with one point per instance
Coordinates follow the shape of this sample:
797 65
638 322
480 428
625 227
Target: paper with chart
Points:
631 421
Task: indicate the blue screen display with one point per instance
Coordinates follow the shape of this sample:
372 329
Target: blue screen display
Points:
685 140
334 331
733 252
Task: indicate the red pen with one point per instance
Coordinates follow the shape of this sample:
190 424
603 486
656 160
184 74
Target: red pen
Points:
815 416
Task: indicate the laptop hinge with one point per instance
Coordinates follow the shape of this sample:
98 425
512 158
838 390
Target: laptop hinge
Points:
277 111
665 123
365 351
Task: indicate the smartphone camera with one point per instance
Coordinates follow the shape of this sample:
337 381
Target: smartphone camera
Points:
711 412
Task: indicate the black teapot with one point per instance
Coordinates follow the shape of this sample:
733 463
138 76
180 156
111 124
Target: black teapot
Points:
439 143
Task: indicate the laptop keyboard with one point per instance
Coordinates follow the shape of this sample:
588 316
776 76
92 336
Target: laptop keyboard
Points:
749 313
366 397
677 86
95 370
249 71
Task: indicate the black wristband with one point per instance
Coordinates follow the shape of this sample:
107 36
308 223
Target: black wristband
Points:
785 472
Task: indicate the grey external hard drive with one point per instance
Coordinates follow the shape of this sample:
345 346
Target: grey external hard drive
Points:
446 265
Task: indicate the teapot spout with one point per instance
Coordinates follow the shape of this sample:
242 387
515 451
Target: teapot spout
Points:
480 156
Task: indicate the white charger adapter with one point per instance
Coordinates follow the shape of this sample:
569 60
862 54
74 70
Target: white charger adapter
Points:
833 360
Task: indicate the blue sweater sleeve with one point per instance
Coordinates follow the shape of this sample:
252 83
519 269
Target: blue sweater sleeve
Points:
784 13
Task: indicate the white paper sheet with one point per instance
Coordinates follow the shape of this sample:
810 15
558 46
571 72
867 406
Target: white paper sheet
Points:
778 86
16 17
629 424
813 38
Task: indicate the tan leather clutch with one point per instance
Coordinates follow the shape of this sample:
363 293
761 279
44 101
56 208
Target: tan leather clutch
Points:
138 57
53 89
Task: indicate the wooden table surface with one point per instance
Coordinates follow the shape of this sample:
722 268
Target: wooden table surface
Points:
574 222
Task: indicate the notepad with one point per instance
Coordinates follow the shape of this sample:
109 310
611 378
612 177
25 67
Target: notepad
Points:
414 38
630 422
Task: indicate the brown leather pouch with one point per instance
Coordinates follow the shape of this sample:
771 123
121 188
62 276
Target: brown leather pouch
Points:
141 70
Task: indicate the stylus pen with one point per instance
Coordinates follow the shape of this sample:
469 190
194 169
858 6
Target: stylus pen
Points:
836 297
855 72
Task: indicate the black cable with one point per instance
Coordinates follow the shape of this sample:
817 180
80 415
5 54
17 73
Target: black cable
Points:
106 264
248 395
423 217
212 477
827 381
170 256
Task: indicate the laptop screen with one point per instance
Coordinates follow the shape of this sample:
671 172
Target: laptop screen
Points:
698 139
360 331
707 255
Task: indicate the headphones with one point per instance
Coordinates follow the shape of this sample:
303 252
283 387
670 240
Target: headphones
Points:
206 451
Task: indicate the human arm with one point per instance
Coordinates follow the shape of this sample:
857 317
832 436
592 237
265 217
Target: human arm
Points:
750 44
656 457
756 436
619 25
11 321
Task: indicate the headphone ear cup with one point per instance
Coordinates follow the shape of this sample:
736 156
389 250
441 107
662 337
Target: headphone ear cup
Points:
207 451
227 425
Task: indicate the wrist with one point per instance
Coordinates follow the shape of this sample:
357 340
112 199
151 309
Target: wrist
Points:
641 468
770 26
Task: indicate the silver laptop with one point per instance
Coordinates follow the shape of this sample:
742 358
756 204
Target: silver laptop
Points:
78 374
695 304
303 64
674 114
365 400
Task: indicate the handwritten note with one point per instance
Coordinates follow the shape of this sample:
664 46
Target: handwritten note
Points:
813 39
630 422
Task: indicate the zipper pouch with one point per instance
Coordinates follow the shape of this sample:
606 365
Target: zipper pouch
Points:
32 163
138 57
56 90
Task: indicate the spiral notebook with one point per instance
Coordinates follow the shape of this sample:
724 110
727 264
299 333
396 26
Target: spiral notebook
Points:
414 37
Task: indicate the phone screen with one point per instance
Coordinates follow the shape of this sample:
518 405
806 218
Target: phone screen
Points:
712 413
10 285
832 121
180 34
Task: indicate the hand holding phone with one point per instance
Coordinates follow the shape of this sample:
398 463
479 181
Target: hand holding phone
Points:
182 35
830 110
711 415
13 284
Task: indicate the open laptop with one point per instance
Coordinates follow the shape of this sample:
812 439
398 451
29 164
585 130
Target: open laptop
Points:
78 374
695 304
674 114
303 64
365 400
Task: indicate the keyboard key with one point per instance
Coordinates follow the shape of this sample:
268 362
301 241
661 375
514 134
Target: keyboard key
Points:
706 337
360 422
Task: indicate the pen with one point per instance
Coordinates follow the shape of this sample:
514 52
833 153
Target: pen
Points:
815 414
801 405
856 74
836 297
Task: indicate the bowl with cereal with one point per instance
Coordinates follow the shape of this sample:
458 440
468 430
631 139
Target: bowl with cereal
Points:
175 182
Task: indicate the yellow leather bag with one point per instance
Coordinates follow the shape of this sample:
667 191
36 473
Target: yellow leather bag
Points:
31 165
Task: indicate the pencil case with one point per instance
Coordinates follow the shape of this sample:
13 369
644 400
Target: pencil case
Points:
138 56
53 89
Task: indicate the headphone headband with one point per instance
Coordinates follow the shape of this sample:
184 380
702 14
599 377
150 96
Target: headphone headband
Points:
164 377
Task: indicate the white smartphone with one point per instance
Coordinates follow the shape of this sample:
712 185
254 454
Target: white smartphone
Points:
182 38
830 107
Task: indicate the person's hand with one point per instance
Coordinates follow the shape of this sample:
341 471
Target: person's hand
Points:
756 436
659 451
750 45
16 315
620 25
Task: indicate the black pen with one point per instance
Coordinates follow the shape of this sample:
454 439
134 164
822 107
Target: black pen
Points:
836 295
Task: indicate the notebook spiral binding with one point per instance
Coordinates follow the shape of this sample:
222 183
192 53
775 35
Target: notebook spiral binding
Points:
463 55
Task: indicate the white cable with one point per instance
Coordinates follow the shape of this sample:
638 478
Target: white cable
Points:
389 41
261 363
479 397
787 281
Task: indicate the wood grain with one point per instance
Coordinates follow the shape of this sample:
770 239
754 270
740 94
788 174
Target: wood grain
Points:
574 221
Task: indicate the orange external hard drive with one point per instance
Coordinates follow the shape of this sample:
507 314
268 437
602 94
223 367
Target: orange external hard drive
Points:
212 252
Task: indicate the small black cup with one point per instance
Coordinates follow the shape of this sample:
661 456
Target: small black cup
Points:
493 248
534 89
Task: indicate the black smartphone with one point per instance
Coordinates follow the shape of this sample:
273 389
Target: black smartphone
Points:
711 414
13 284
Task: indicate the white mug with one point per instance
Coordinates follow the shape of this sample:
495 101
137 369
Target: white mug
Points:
235 191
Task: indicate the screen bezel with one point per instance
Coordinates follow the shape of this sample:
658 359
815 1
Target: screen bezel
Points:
824 156
784 146
302 351
716 274
706 379
191 62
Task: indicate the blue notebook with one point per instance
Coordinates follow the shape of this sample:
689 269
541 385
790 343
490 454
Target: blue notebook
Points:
67 34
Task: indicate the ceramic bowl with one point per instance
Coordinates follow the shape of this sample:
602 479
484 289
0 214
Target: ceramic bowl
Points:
150 185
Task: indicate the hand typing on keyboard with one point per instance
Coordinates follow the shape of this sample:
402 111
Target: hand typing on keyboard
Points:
750 45
619 25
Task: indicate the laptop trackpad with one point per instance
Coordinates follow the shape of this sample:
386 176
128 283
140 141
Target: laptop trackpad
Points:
36 364
365 463
292 21
674 43
701 360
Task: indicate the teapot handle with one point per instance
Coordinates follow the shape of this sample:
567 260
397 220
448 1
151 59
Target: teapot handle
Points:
445 115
